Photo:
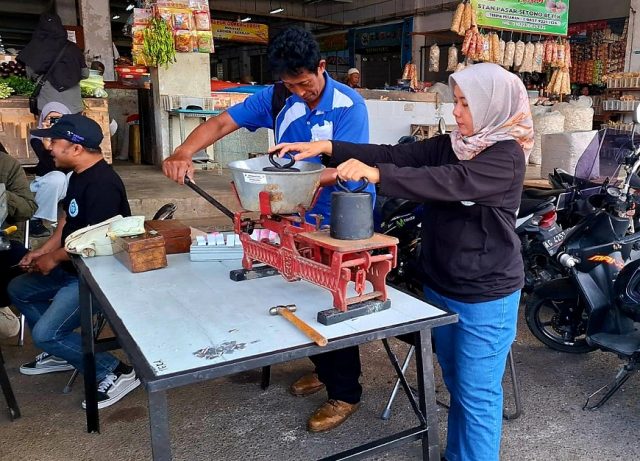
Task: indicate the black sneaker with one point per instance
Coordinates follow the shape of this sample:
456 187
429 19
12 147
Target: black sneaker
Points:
115 386
37 229
45 363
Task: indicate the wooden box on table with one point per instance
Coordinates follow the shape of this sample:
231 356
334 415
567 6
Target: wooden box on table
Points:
177 236
141 253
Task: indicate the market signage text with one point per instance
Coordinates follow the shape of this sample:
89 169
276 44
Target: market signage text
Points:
537 16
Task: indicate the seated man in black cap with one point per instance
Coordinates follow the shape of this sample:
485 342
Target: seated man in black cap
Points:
48 294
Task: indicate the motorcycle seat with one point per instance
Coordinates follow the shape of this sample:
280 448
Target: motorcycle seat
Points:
529 206
626 344
541 193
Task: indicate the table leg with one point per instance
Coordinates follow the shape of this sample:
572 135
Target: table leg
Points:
5 385
427 394
181 119
159 424
170 133
89 357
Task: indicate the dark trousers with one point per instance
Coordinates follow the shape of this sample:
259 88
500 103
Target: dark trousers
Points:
340 371
9 258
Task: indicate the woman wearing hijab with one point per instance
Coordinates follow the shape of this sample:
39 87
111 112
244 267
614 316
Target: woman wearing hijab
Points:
50 185
470 257
47 42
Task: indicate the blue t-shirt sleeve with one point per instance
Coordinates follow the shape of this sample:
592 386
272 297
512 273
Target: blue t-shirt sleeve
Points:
353 125
254 112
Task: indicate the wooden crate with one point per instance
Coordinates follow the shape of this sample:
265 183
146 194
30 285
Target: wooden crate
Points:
98 109
16 121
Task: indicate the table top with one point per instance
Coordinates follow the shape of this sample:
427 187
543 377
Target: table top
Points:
190 315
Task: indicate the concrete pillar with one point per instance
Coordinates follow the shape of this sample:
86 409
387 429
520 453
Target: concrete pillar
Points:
177 80
632 61
66 9
95 18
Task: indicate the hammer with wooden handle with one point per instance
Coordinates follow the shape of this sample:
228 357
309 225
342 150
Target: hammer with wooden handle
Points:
288 313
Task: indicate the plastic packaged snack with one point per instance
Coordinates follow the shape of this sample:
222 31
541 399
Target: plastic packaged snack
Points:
501 49
184 41
452 58
137 33
466 18
457 18
509 54
519 54
182 20
201 19
538 56
434 58
205 41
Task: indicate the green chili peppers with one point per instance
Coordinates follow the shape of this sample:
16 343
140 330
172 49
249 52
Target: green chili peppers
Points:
158 43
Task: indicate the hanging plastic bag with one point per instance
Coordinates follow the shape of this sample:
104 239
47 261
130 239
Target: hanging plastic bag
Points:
452 58
434 58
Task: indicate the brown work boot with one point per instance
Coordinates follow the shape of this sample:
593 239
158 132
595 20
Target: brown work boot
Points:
331 414
307 385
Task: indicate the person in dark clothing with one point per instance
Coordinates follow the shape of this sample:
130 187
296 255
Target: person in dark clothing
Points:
48 294
50 184
20 207
470 256
49 40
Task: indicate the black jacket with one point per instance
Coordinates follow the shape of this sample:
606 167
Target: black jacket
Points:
47 40
470 251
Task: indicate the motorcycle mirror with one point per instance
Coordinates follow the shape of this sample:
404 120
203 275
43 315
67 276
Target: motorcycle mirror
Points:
442 126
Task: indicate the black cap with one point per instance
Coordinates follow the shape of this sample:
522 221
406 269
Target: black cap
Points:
75 128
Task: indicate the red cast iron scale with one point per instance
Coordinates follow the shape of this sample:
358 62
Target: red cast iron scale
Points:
307 253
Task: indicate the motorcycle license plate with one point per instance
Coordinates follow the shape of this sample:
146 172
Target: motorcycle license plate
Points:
553 243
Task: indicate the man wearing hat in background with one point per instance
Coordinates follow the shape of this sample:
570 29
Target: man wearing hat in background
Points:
48 294
353 78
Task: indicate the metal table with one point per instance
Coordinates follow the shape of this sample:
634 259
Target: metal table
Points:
189 322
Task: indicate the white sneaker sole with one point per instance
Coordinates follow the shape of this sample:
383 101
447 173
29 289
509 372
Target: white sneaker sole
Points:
49 369
124 390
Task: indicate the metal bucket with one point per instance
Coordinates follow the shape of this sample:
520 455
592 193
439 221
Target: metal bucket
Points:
287 189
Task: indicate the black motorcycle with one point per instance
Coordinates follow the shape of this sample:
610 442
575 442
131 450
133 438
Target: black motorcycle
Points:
564 313
546 215
402 219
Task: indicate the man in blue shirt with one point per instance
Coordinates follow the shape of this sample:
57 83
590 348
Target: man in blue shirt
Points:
316 108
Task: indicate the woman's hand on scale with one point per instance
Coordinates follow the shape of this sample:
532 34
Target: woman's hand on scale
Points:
303 150
355 170
351 170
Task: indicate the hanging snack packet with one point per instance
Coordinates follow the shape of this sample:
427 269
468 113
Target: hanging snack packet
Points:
202 20
205 41
182 20
452 58
509 54
434 58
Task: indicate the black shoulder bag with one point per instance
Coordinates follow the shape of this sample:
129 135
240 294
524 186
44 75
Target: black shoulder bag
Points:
33 99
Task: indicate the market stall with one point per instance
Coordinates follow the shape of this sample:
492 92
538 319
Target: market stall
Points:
16 120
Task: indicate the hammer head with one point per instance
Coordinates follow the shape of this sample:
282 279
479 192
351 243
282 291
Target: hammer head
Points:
276 309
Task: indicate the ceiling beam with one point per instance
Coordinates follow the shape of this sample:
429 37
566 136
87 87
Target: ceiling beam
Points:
252 13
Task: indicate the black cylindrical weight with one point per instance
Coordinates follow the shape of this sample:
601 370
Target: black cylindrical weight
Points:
351 215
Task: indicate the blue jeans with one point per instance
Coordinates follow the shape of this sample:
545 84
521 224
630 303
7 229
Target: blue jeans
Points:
51 305
472 355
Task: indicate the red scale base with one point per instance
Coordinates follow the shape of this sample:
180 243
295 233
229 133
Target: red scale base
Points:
307 253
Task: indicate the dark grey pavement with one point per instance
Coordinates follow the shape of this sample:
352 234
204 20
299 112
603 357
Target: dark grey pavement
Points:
233 419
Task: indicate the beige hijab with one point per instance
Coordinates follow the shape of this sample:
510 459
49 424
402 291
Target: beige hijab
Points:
499 107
